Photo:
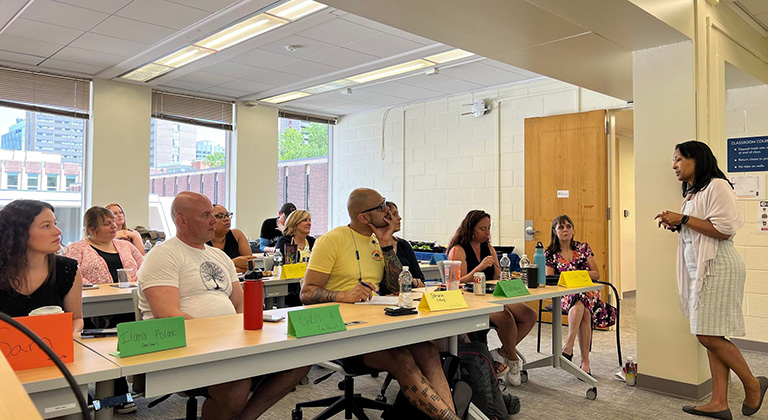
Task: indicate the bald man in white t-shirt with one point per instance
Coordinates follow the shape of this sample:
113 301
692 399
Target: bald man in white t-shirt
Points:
185 277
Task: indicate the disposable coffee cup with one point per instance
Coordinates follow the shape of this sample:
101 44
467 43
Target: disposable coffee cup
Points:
47 310
123 277
431 286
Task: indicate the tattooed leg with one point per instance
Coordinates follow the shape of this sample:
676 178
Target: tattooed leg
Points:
424 397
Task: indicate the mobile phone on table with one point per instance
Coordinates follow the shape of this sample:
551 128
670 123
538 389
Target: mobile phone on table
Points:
99 332
273 318
398 310
90 286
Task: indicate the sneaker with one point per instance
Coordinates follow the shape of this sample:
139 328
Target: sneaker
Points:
513 376
500 363
126 408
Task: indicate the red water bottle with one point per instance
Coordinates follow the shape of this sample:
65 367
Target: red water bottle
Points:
253 305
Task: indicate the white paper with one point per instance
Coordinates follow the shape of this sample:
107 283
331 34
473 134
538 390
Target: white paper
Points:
563 193
388 300
748 186
762 217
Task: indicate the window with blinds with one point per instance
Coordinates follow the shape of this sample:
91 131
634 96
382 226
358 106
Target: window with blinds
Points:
306 117
41 92
192 110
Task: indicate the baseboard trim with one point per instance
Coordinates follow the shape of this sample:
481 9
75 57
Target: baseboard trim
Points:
629 294
674 388
749 345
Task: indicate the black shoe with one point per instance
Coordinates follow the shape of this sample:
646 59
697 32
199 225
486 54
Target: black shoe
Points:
568 356
724 415
748 411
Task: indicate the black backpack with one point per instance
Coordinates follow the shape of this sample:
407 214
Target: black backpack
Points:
476 369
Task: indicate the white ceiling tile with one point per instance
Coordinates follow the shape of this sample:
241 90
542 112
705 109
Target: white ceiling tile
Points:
376 98
43 31
132 30
456 86
404 91
424 80
231 69
20 58
366 22
94 58
272 77
342 58
27 46
264 59
70 66
763 18
108 44
182 84
232 93
9 10
482 74
248 86
755 7
207 5
307 69
411 37
305 46
163 13
339 32
106 6
64 15
383 45
205 78
326 99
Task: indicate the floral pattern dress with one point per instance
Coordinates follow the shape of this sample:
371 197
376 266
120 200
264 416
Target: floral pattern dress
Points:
603 315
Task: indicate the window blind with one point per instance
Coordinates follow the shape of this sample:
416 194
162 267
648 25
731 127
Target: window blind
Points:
42 92
307 117
192 110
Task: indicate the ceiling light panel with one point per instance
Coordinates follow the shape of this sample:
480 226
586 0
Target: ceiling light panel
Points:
285 97
184 56
296 9
448 56
147 72
390 71
338 84
240 32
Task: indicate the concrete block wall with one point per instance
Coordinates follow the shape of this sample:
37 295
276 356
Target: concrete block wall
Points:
747 116
438 164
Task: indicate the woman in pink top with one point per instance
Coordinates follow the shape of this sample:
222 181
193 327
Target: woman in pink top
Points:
100 254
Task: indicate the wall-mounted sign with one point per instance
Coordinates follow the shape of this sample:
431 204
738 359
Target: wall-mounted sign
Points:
748 154
563 193
748 186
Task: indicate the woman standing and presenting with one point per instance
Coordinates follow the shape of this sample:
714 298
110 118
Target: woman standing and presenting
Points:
711 274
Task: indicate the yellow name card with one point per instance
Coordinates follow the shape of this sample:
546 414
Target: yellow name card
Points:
441 301
293 271
579 278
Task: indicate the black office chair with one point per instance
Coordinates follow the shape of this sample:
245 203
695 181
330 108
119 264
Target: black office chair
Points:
352 404
618 316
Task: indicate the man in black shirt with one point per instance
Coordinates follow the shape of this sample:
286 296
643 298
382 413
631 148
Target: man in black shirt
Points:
272 228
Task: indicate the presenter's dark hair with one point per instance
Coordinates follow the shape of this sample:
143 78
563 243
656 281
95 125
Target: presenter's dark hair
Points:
463 234
554 241
706 165
15 220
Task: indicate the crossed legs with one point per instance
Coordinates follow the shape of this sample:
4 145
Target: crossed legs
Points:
579 324
418 370
724 356
513 324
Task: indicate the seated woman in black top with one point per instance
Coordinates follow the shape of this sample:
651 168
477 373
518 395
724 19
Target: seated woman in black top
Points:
31 274
232 241
472 246
404 250
296 232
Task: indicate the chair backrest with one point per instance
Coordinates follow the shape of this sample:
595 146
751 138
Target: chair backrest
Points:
136 310
441 269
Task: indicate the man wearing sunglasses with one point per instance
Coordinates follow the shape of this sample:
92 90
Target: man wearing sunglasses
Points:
347 265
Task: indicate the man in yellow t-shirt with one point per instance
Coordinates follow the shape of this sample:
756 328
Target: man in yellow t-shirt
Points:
347 265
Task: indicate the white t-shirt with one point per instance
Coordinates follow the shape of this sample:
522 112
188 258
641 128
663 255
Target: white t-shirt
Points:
204 278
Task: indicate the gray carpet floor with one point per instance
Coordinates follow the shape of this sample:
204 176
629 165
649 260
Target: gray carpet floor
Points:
549 393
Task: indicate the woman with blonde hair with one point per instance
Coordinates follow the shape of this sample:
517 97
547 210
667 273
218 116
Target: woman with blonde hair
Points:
297 228
123 232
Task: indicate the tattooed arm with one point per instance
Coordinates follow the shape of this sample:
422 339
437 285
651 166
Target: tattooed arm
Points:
392 269
314 290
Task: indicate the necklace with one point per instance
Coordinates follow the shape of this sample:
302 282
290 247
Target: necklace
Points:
357 255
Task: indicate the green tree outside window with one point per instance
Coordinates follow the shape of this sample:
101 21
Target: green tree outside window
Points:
312 142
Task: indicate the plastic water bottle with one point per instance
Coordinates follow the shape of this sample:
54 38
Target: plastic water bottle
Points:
505 263
630 370
147 246
278 258
525 263
541 261
405 300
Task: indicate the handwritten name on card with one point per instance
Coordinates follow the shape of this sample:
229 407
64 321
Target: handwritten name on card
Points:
55 331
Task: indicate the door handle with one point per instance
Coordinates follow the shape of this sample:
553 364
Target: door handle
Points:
530 231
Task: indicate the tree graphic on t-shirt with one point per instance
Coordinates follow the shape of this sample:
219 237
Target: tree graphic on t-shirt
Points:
212 275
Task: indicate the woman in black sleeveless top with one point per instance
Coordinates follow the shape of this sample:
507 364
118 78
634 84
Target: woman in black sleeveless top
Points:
471 244
31 274
232 241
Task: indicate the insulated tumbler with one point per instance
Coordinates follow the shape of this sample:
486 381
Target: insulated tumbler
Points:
253 305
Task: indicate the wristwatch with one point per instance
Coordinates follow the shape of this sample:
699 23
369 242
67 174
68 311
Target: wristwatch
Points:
684 220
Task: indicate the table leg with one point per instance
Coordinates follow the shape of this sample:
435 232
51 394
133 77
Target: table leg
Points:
280 301
103 390
452 342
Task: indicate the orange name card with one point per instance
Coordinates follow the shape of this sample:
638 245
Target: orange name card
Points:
55 331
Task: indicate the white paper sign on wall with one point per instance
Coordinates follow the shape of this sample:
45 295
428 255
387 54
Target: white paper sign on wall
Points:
563 193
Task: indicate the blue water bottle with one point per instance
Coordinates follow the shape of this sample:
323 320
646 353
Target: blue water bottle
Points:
541 261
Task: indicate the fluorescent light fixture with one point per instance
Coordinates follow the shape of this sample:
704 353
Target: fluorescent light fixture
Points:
390 71
296 9
285 97
240 32
146 72
338 84
184 56
447 56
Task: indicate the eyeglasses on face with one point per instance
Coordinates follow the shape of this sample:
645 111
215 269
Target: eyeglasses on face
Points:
222 216
381 207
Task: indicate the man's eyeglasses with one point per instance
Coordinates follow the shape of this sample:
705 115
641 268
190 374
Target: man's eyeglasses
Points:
222 216
382 207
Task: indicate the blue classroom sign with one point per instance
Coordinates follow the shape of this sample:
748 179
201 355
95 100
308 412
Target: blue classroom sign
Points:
748 154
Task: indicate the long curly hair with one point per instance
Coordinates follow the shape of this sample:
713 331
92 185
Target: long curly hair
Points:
463 234
15 220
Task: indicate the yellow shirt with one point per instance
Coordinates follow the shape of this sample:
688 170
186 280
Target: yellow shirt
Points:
335 254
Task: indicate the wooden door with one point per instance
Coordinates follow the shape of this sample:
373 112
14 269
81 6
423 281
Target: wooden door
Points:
566 172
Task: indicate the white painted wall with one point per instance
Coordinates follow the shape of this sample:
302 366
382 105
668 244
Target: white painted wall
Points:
747 116
438 164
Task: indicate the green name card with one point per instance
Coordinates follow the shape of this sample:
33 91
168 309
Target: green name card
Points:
510 288
149 336
315 321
